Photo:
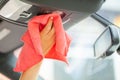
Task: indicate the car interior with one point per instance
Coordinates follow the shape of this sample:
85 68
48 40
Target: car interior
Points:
15 14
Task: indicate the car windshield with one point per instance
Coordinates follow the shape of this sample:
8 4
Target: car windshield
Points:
110 10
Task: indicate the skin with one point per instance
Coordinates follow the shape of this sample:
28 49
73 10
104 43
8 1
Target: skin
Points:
47 41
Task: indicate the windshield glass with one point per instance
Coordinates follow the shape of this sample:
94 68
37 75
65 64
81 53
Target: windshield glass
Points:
110 10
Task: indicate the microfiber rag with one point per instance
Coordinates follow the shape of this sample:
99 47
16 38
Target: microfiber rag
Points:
31 52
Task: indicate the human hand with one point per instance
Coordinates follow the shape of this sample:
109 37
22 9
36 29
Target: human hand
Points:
47 41
48 36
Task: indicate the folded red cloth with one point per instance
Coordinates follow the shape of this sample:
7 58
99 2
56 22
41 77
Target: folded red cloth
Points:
31 53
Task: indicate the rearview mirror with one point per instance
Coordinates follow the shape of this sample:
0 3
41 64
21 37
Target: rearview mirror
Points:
107 43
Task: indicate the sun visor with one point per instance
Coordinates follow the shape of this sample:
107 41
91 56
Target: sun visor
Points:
88 6
73 10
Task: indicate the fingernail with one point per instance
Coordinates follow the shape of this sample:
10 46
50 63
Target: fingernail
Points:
51 18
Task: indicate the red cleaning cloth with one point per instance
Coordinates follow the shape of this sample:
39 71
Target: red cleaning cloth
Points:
31 53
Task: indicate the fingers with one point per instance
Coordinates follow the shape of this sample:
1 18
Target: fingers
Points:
48 31
50 44
48 36
51 32
48 26
47 43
